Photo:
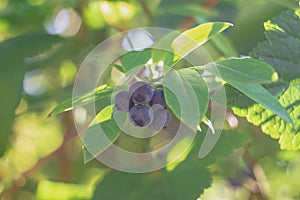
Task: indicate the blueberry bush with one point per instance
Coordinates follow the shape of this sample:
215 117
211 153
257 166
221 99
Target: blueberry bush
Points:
240 101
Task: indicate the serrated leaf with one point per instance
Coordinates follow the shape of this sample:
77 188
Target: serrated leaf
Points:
284 60
15 54
245 70
185 182
135 59
260 95
97 95
193 38
282 49
186 95
287 133
101 135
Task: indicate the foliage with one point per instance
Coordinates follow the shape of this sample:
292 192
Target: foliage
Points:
168 187
281 50
48 141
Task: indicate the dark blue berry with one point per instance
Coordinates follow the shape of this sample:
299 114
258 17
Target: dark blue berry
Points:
158 98
140 92
159 117
123 102
140 115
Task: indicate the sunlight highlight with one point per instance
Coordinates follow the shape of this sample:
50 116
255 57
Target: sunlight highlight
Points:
66 23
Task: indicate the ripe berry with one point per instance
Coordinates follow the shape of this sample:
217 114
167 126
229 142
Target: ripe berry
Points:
158 98
159 117
140 92
123 102
140 115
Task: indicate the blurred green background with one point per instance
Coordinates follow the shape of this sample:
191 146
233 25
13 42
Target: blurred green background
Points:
42 46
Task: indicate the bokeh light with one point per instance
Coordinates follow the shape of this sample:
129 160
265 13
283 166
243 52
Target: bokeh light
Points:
66 23
35 83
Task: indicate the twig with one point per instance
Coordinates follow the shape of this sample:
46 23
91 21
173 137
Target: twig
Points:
211 3
186 23
147 12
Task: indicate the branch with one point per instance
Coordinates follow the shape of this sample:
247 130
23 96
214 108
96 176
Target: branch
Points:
147 11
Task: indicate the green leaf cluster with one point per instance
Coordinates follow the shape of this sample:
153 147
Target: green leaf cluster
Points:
281 50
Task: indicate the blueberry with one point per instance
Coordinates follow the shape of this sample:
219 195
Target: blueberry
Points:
140 115
140 92
159 117
158 98
123 102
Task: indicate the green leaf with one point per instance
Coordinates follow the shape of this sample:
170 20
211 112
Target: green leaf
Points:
186 95
135 59
162 55
15 56
246 70
119 68
104 115
162 50
199 88
262 96
282 49
287 133
157 185
94 96
193 38
192 174
224 45
101 135
228 141
284 60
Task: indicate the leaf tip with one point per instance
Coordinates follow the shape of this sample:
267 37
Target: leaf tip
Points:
288 119
87 157
229 24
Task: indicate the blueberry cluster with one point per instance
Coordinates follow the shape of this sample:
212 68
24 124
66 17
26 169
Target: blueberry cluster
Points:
145 106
